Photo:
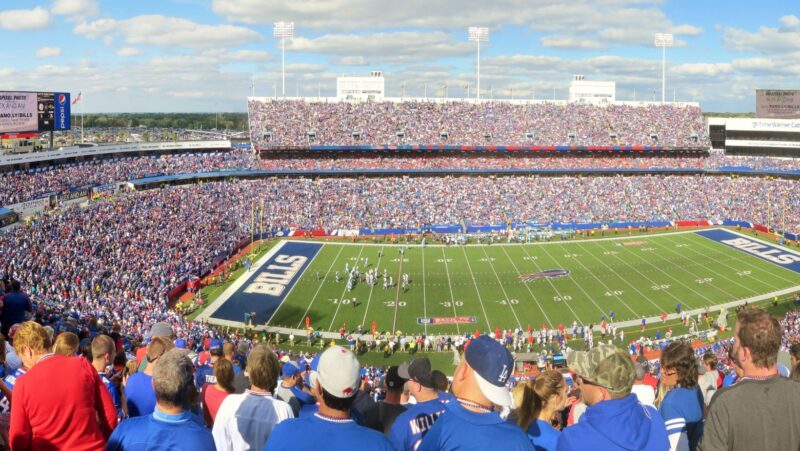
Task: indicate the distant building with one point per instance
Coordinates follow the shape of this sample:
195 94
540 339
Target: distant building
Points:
362 88
594 92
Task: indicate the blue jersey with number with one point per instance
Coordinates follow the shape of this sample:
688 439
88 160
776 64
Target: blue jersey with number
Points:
10 381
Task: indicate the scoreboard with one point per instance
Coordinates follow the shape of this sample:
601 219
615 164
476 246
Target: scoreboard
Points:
778 103
34 111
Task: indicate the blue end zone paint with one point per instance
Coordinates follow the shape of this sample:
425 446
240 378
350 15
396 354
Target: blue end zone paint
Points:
267 286
767 252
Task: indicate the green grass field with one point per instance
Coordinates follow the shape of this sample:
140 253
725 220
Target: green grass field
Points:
484 282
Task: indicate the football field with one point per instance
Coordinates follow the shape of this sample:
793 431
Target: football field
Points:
454 289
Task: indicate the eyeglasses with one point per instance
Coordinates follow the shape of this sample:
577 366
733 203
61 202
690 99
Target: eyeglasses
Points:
669 372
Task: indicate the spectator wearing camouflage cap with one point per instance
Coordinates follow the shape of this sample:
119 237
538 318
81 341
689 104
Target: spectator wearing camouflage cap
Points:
614 420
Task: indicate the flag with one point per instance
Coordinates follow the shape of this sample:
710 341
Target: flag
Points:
77 98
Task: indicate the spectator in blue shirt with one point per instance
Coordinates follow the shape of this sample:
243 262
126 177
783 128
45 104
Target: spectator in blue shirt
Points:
682 405
139 394
171 425
15 305
411 426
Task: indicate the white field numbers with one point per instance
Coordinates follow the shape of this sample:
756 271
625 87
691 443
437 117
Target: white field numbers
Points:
508 301
450 304
563 298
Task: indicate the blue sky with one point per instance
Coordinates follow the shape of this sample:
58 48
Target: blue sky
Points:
201 55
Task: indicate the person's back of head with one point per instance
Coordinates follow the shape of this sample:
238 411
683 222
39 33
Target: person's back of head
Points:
545 393
338 378
158 346
263 368
173 381
677 360
30 342
223 371
757 340
66 344
229 350
103 345
710 360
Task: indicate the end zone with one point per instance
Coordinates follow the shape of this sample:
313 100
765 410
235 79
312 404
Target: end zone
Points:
261 291
771 253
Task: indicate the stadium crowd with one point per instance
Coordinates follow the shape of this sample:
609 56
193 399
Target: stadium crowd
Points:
289 123
229 393
19 186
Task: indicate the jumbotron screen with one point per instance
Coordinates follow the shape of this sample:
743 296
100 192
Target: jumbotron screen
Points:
34 111
778 103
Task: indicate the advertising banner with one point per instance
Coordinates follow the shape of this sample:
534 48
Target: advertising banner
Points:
18 112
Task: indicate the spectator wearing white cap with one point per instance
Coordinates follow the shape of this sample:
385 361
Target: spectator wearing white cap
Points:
479 384
332 428
245 421
614 418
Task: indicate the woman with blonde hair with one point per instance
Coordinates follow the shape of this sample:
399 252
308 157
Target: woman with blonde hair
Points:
542 399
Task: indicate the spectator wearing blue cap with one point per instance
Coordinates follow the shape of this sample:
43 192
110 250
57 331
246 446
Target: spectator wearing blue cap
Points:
289 389
205 373
479 384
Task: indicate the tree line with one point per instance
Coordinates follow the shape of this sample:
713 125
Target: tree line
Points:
204 121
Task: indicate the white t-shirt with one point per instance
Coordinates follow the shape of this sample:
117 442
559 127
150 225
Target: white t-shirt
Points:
245 421
645 393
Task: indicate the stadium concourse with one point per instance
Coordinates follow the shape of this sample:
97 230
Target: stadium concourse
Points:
79 273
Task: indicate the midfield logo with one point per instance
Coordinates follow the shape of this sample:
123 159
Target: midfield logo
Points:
548 274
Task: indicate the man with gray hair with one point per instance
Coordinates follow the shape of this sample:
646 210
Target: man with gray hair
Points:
171 425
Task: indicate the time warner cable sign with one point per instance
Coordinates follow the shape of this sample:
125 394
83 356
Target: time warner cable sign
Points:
34 111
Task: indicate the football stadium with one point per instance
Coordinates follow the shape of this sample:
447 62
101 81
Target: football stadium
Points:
368 269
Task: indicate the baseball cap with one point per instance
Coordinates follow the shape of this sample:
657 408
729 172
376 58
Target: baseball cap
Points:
289 369
493 365
393 380
160 329
180 343
215 347
606 366
338 372
418 370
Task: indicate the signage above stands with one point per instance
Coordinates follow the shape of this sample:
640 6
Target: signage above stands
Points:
72 152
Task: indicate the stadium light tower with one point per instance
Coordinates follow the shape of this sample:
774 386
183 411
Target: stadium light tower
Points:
664 40
283 31
478 35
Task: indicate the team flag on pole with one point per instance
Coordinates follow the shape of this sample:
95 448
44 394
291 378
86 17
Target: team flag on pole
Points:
77 98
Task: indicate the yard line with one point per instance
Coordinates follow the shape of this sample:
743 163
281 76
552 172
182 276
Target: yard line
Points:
424 295
339 303
602 312
527 287
681 282
397 294
450 284
619 298
644 296
721 275
718 250
682 301
500 282
552 285
377 265
475 283
318 288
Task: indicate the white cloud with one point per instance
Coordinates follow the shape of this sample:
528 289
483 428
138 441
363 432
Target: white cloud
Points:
766 40
702 69
570 42
350 61
256 56
577 17
385 47
25 19
168 32
129 51
75 7
48 52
